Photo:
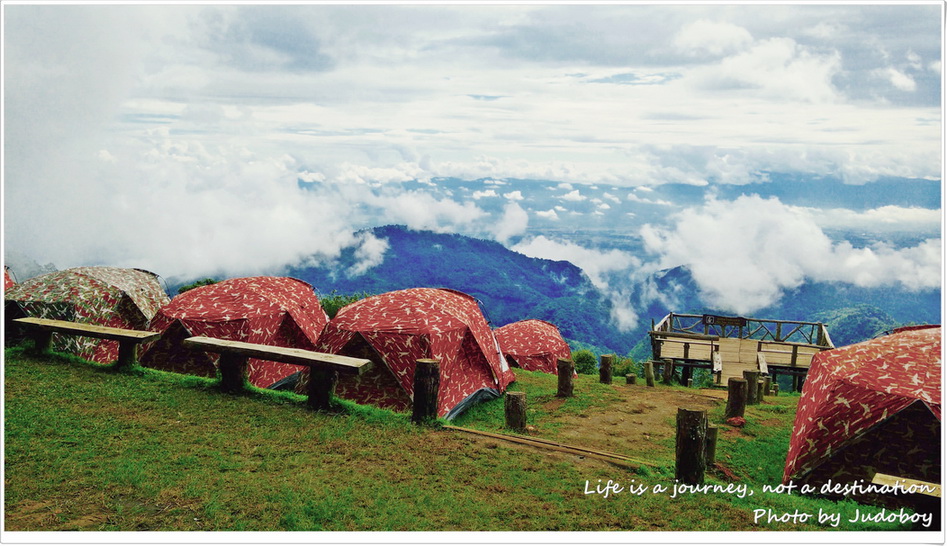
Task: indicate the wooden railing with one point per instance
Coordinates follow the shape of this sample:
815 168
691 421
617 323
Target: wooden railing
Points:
780 331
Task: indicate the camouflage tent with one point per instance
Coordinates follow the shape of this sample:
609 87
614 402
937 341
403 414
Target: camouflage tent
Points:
871 407
8 281
396 329
107 296
279 311
534 345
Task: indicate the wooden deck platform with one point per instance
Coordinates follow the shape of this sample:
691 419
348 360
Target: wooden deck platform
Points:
689 348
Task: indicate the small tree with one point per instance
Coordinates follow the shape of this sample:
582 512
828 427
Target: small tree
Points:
203 282
331 303
585 361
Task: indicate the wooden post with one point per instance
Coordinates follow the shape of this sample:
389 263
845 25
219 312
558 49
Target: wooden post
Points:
233 372
427 380
515 409
760 390
687 350
668 370
126 355
631 379
321 388
565 370
752 387
691 445
711 450
605 369
690 383
775 389
42 340
686 375
649 373
767 385
736 397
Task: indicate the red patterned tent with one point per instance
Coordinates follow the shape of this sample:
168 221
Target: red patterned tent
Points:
870 407
107 296
396 329
533 345
278 311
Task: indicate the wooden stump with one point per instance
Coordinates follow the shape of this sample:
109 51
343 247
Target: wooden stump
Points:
565 370
605 369
736 397
321 388
690 382
711 449
775 389
649 373
768 385
631 379
515 409
668 370
427 379
691 445
752 387
233 372
760 390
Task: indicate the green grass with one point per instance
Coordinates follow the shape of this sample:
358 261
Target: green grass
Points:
88 448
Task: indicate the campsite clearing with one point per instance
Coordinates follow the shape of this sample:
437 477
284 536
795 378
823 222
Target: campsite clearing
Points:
90 449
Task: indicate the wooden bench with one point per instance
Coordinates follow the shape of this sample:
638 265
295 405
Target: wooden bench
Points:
42 330
323 367
922 488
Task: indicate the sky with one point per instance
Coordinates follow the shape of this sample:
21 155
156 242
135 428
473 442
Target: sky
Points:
196 140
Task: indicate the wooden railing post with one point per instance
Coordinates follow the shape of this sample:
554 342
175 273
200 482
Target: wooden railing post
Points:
427 379
736 397
605 369
515 410
565 371
691 446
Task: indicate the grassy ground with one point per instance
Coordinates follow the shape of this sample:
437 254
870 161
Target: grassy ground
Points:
90 449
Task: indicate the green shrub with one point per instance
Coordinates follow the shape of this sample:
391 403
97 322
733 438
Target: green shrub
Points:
195 284
585 361
331 303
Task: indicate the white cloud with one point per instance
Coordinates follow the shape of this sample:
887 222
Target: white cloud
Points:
897 78
514 195
573 195
711 38
597 264
604 206
765 247
547 214
565 186
370 252
482 194
513 223
611 198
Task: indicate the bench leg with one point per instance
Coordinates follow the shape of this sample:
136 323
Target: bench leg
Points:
321 389
232 372
126 355
42 341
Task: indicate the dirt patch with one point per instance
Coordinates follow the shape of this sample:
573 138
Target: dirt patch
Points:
640 424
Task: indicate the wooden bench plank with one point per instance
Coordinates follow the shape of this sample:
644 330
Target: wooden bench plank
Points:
924 488
90 330
299 357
